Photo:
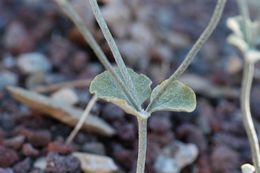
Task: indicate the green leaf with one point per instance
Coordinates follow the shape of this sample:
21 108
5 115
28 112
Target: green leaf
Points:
177 97
106 87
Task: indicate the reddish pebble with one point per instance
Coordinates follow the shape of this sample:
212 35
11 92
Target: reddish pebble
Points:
160 124
29 150
59 147
38 138
7 157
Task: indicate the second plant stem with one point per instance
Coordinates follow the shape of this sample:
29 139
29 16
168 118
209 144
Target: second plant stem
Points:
142 144
248 75
195 48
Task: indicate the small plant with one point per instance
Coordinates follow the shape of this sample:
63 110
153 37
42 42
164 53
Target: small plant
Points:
129 90
246 37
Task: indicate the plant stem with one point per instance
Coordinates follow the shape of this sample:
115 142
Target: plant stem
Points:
142 144
195 49
248 75
243 7
72 14
82 120
113 47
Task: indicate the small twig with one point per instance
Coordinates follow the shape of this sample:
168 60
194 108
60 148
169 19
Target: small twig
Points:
248 75
71 84
72 14
111 43
82 120
142 144
195 49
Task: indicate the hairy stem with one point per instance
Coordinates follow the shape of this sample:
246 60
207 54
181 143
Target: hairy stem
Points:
142 144
72 14
82 120
248 75
243 7
195 49
111 42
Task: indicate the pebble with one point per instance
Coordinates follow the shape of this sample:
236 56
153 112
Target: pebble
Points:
161 138
38 138
35 80
61 164
8 61
132 51
160 124
17 38
15 142
234 65
33 62
29 150
177 40
247 168
142 33
7 78
94 148
7 157
166 165
36 171
117 14
192 134
111 112
127 132
224 159
186 154
94 163
65 95
173 161
7 170
40 163
23 166
123 156
80 60
59 147
163 53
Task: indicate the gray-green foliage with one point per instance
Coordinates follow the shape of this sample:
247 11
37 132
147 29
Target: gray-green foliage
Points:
129 90
107 88
238 37
246 37
177 97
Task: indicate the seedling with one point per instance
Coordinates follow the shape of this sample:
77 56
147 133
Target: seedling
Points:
246 37
128 89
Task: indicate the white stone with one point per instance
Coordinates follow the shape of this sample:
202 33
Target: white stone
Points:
66 95
40 163
7 78
33 62
91 163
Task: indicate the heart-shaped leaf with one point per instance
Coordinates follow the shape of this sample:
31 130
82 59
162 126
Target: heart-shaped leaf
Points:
177 97
106 87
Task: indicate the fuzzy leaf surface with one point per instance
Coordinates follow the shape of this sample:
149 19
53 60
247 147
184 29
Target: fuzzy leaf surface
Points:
107 88
177 97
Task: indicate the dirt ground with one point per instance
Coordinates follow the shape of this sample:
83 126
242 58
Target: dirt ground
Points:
153 37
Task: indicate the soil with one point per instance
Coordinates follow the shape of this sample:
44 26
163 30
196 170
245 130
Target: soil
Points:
215 127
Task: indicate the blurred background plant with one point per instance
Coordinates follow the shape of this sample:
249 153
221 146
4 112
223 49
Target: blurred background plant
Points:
246 37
